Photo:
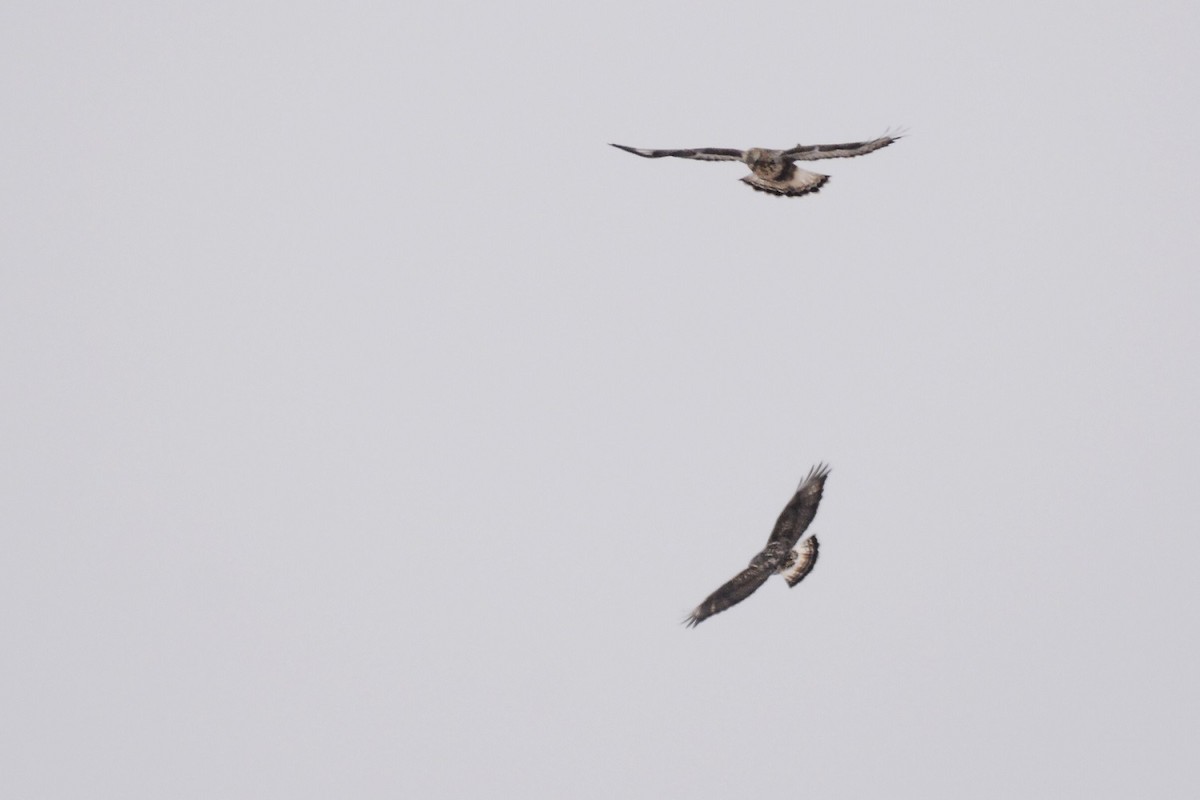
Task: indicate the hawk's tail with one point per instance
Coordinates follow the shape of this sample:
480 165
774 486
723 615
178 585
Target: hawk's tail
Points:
805 556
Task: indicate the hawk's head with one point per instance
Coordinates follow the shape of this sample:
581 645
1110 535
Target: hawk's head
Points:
753 156
764 163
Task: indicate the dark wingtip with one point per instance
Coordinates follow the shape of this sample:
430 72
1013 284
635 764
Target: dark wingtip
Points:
819 471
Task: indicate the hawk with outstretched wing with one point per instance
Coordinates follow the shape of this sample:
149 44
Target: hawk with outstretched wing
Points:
782 554
775 171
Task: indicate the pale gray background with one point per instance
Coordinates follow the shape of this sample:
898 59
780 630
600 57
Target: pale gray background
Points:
369 425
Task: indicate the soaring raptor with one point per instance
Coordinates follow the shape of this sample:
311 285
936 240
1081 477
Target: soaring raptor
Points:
781 553
775 171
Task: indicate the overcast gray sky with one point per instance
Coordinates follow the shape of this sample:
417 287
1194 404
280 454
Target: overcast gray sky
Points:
369 425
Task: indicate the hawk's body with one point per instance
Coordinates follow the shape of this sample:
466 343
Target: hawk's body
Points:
775 171
781 554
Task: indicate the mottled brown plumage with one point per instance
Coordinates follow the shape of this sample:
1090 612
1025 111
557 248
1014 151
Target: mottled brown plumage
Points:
775 171
781 554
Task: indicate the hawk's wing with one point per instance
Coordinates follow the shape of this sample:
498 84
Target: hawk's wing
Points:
801 509
814 152
700 153
806 559
735 591
792 183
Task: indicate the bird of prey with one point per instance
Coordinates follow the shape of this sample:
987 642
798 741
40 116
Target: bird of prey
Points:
775 171
781 554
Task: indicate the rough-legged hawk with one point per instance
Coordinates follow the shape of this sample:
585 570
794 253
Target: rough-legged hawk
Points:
781 554
775 171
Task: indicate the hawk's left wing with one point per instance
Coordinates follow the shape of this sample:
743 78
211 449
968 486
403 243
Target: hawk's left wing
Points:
699 154
800 510
815 152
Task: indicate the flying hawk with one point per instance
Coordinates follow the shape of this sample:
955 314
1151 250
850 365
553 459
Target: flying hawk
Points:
775 171
781 554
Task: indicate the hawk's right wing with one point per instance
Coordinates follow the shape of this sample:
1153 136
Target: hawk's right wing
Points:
814 152
735 591
699 154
